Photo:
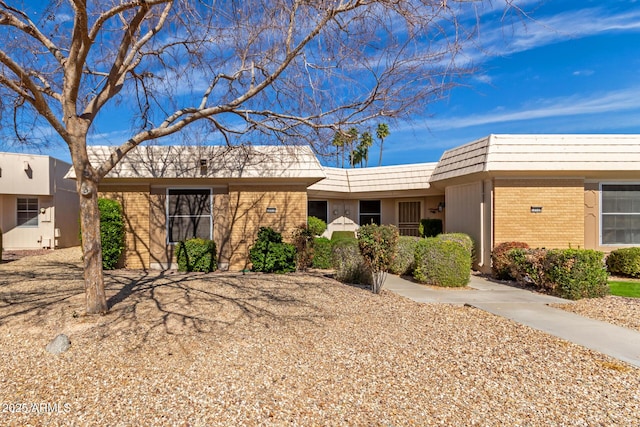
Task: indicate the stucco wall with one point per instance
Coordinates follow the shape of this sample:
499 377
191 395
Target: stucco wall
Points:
560 224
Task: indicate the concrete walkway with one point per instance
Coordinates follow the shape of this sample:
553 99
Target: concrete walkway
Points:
531 309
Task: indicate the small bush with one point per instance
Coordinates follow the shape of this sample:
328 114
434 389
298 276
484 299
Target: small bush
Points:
270 254
527 265
624 262
404 261
316 225
464 239
302 240
348 262
321 253
197 255
378 247
567 273
442 262
339 235
576 273
111 232
430 227
500 261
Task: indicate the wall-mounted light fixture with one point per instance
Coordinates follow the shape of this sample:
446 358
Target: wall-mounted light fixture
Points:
440 206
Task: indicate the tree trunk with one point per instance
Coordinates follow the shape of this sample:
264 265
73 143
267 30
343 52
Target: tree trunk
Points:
95 298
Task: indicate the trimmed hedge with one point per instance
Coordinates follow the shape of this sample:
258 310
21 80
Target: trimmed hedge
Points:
576 273
321 253
430 227
624 262
500 261
197 255
348 263
443 261
404 261
111 232
270 254
567 273
316 225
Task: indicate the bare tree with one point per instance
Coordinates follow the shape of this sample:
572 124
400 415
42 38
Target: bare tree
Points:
292 70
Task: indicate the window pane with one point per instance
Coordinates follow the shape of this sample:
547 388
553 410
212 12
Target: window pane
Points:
189 214
368 219
318 208
621 214
182 228
27 211
369 206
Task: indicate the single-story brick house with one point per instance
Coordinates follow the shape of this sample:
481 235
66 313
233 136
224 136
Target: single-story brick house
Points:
547 190
170 193
38 207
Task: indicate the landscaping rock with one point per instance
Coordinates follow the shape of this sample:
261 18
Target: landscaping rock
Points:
60 344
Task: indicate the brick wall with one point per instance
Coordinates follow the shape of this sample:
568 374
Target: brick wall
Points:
559 225
248 212
135 204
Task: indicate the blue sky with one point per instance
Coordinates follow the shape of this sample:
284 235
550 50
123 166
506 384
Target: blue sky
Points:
573 66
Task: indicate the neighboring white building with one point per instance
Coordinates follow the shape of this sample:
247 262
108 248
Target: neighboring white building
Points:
38 207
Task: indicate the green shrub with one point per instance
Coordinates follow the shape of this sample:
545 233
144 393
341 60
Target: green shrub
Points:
576 273
378 247
430 227
526 265
316 225
348 262
567 273
270 254
111 232
442 262
464 239
499 260
197 255
321 253
404 261
624 262
339 235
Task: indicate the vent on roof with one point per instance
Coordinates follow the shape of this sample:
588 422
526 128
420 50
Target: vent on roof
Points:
203 166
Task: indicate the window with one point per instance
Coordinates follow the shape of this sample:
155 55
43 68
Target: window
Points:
318 208
369 212
620 222
188 214
27 212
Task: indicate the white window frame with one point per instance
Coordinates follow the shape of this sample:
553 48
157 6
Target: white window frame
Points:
167 213
602 214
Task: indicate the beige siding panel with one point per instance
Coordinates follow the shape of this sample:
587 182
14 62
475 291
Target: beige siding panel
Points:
464 213
592 216
561 223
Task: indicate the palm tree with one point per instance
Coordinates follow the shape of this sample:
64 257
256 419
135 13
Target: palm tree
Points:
382 132
366 141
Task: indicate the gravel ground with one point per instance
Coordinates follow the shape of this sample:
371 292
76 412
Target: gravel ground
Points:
290 350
